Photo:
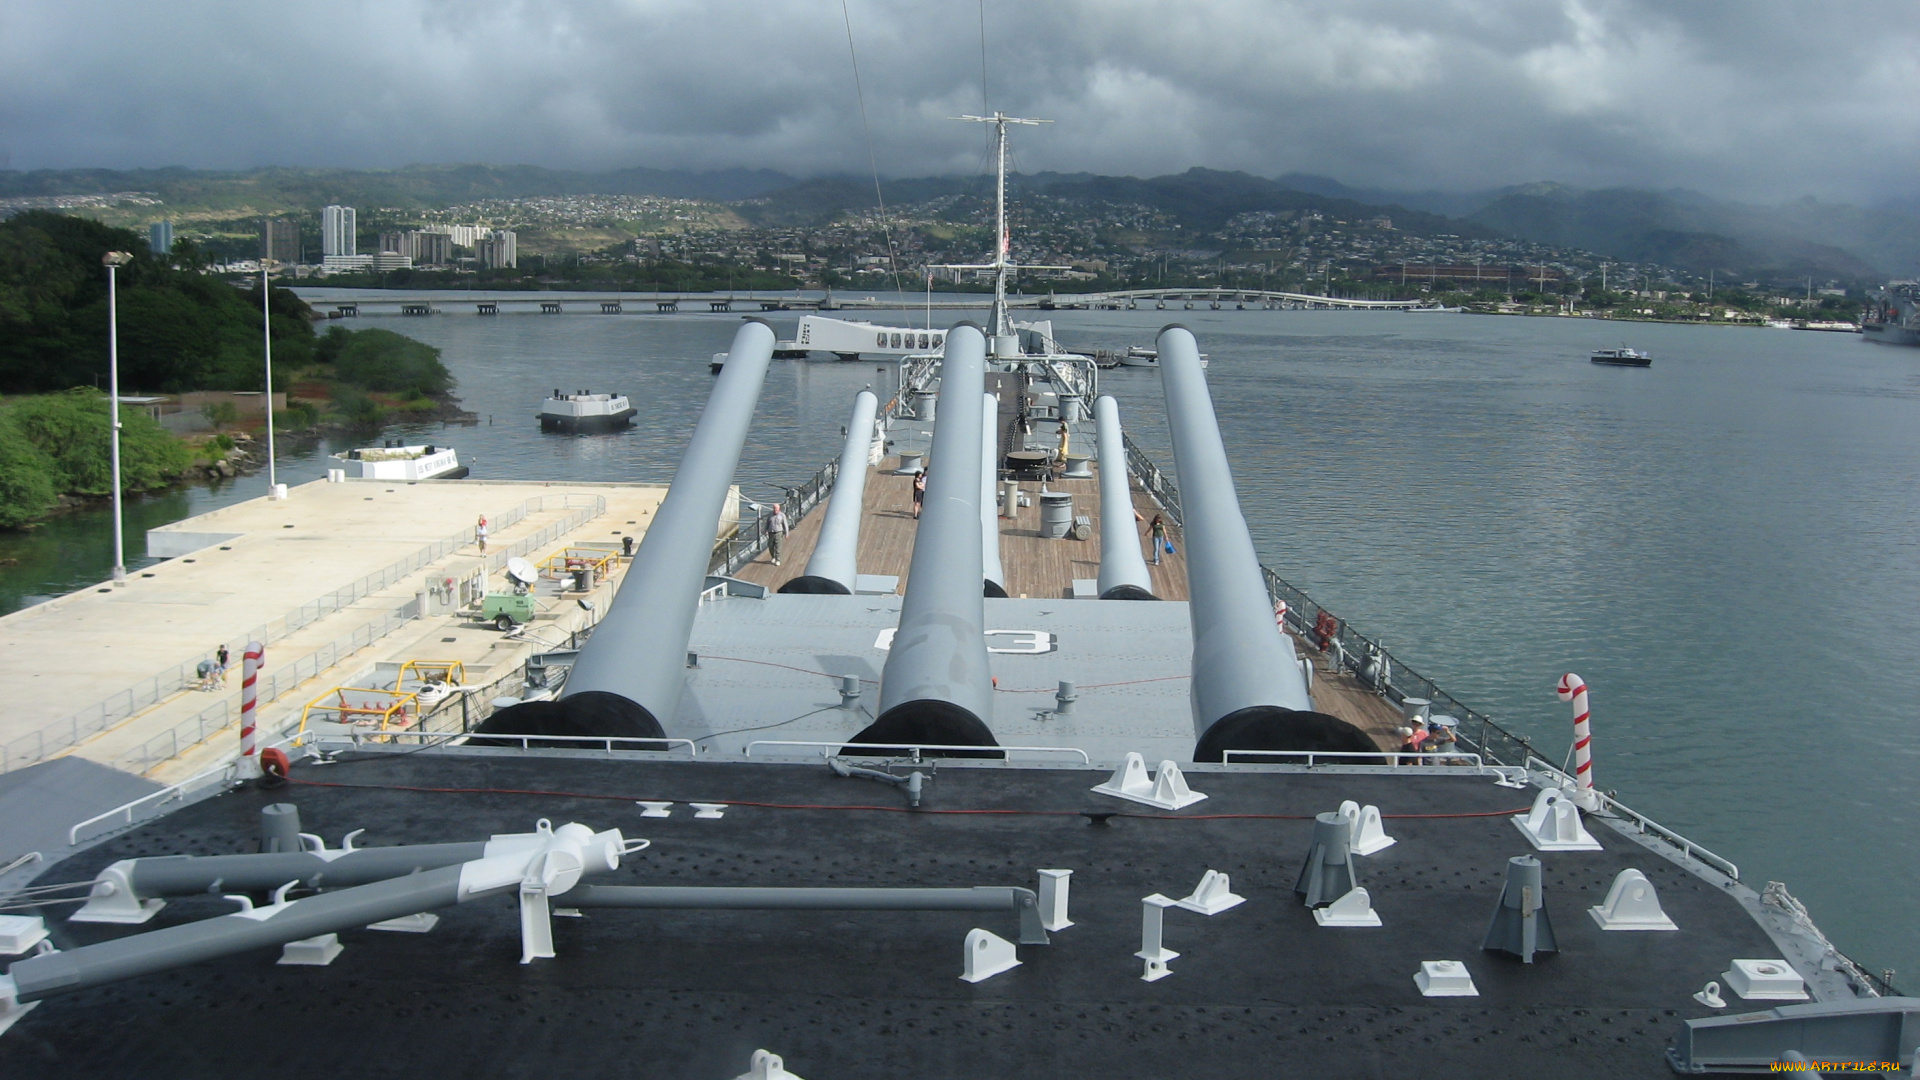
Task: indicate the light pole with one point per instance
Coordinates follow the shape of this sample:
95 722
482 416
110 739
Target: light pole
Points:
266 329
114 260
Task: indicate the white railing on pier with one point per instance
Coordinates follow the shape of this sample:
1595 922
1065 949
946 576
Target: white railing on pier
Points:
60 734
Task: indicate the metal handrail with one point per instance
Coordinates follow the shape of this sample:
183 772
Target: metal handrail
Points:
463 738
1479 764
1646 824
841 744
225 770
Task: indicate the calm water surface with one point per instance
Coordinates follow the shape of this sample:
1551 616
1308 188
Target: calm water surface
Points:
1723 546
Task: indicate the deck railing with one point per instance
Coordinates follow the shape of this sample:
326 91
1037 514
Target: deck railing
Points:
751 537
1346 648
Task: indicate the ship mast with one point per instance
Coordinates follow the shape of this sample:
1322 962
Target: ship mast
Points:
999 324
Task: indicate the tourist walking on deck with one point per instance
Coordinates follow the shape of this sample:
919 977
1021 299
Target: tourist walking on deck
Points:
919 491
776 532
220 659
1157 531
480 534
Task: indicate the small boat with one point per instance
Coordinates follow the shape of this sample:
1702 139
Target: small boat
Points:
395 462
1142 356
585 412
1622 357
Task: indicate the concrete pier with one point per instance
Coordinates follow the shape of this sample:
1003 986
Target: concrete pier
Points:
335 578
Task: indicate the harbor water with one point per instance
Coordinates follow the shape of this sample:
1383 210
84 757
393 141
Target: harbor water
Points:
1725 546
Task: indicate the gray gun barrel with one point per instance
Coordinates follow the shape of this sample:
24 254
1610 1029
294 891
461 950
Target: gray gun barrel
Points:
696 897
994 574
834 567
1248 690
177 946
1123 572
628 677
184 875
936 688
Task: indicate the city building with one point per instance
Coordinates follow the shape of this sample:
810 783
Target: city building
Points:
280 239
430 248
498 251
395 242
466 236
391 260
160 237
338 263
338 231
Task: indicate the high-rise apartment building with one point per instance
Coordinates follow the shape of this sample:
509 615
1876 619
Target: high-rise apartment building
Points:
430 248
280 239
500 250
160 237
338 231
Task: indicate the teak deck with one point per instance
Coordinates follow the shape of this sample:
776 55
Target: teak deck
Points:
1039 567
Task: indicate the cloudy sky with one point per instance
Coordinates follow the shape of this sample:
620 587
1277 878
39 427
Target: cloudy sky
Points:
1757 100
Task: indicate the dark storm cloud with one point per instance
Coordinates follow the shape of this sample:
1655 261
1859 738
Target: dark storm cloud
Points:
1754 100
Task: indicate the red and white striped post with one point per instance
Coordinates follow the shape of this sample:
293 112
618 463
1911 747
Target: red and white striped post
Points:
1573 688
1280 615
249 673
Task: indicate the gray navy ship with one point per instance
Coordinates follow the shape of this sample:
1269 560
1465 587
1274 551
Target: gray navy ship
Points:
1893 315
965 785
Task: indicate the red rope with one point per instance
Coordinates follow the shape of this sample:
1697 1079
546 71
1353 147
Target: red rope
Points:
881 809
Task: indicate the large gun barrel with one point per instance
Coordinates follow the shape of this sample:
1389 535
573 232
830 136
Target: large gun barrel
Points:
1123 572
628 677
1248 690
936 688
995 577
833 568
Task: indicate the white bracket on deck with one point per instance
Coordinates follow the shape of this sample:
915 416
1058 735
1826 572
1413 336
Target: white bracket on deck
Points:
656 809
1213 895
312 952
987 954
113 900
766 1066
1167 791
1554 824
10 1008
18 933
1445 978
1353 909
1631 905
1369 835
418 923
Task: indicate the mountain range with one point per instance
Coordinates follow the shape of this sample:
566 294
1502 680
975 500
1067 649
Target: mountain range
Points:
1677 228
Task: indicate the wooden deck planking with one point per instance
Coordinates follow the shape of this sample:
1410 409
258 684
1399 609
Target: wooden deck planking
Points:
1035 566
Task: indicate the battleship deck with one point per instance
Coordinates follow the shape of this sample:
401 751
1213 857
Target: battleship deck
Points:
1043 568
847 995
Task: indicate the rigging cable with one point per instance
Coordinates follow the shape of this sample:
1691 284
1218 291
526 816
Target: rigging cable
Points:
873 161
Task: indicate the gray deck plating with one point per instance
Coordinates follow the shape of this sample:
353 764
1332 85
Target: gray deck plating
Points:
1129 658
1258 991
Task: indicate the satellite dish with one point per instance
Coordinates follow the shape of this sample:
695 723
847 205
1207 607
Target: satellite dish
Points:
522 571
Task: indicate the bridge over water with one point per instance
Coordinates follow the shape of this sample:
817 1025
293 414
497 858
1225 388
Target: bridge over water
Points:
438 302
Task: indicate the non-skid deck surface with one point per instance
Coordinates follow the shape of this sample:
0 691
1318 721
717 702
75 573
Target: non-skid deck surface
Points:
1258 991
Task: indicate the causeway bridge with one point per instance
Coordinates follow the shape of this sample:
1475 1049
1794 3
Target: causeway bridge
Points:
340 304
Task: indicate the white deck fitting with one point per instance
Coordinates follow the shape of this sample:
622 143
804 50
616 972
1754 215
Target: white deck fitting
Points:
1153 910
1353 909
765 1065
1212 896
1554 824
987 954
1369 835
18 933
656 809
710 811
10 1008
1054 891
419 923
1765 980
1445 978
113 900
1709 996
1631 904
1166 791
312 952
